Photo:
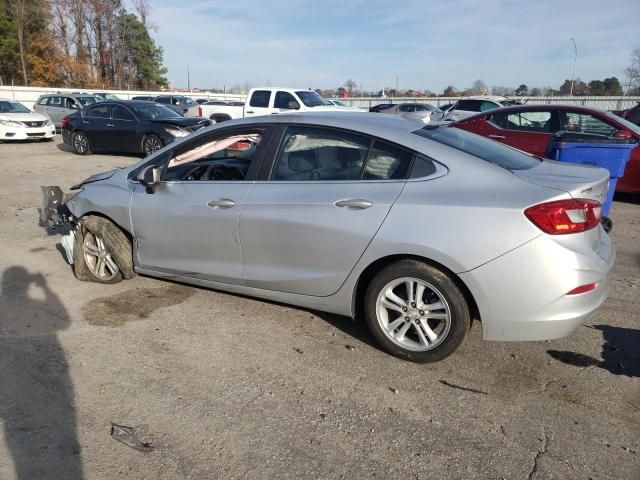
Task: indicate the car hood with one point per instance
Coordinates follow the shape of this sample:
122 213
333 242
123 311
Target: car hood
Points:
330 108
579 181
184 122
95 178
23 117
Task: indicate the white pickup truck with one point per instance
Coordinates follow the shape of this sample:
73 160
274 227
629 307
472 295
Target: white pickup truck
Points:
268 101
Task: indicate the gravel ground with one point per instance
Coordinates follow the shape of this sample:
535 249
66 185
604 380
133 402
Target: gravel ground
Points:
229 387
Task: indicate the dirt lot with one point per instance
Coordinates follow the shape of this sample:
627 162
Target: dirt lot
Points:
230 387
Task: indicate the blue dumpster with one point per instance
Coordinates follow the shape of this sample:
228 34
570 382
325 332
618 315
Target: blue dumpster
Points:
593 149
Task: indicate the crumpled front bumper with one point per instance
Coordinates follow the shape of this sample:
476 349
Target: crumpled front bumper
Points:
54 211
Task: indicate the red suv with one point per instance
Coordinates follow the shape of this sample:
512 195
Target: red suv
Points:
529 128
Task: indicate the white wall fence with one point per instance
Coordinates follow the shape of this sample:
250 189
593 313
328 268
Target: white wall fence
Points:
28 96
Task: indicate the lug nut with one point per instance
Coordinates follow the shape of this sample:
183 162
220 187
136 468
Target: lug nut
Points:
413 305
421 312
407 319
404 309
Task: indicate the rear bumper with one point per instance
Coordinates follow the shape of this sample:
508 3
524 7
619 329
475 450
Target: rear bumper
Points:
522 295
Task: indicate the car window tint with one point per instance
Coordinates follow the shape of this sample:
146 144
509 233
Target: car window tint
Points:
585 123
43 101
99 111
480 147
405 108
55 102
536 121
386 162
468 105
68 102
260 99
317 154
225 157
422 167
121 113
282 100
164 100
484 106
420 108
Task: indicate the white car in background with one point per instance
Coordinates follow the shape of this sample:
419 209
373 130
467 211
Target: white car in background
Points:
17 122
465 107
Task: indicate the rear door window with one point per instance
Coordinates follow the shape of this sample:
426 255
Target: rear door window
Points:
99 111
121 113
468 105
260 99
282 100
55 101
480 147
43 101
535 121
386 162
585 123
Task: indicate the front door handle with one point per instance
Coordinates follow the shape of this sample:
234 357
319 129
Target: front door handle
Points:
497 137
250 111
110 125
221 203
86 122
353 204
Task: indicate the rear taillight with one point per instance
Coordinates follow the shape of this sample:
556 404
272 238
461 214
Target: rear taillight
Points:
64 122
199 111
565 216
583 289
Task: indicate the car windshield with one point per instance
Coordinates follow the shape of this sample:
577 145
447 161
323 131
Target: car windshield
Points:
187 101
480 147
109 96
631 126
311 98
153 111
84 101
12 107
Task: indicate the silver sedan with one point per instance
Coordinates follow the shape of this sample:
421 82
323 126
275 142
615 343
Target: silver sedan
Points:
416 230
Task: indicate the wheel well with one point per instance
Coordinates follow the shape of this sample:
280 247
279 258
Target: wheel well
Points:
98 214
219 117
372 270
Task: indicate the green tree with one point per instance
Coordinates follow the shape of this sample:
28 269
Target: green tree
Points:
522 90
9 58
612 86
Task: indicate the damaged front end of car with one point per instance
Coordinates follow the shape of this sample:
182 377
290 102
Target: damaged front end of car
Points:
55 214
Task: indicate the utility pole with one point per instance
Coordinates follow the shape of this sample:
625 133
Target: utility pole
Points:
575 59
188 79
396 85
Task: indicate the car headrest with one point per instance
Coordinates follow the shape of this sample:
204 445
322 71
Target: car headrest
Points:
303 161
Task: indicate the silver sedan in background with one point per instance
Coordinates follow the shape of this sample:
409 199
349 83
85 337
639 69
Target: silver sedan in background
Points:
416 230
416 111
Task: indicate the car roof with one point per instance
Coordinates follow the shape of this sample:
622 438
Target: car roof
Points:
493 98
537 108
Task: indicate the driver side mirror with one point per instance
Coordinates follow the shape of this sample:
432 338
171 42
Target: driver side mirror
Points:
293 105
149 177
623 134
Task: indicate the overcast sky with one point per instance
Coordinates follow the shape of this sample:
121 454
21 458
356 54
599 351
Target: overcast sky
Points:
426 43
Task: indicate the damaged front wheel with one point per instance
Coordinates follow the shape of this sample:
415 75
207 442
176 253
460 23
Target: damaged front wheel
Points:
102 252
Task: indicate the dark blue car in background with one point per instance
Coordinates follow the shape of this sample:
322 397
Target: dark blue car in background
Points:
126 126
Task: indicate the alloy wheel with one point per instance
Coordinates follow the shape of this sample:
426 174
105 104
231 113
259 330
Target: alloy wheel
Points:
151 144
413 314
80 143
98 259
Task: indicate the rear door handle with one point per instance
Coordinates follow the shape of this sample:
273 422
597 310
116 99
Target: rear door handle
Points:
221 203
250 111
353 204
86 122
110 125
497 137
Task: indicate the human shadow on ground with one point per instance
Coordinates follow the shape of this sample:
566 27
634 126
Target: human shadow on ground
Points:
36 394
620 352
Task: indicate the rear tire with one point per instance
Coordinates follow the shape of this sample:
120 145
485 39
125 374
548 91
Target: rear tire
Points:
80 143
416 312
102 252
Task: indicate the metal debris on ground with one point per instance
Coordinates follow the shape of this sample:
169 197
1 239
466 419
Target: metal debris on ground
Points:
127 435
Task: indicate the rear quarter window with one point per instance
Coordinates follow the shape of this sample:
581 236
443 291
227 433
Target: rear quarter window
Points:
260 99
479 147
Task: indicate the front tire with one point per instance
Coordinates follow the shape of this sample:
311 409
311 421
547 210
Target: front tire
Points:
416 312
80 143
102 252
151 143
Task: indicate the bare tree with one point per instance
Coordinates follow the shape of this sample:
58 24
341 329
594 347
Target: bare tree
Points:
351 86
143 9
632 72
